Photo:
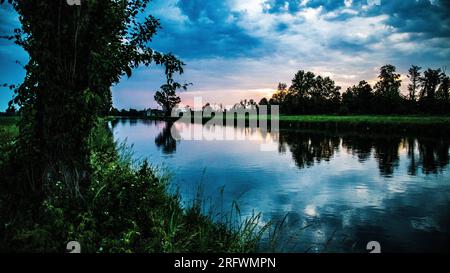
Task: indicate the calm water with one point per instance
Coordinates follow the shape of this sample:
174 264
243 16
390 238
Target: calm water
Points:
338 192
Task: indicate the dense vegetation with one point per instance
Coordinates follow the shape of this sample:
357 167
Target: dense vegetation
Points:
310 94
61 176
124 209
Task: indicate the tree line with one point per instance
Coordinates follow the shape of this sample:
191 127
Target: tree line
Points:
428 93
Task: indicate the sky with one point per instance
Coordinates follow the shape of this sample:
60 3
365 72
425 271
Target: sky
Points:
241 49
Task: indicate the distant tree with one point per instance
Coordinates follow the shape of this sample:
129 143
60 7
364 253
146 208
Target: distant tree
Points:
414 77
280 95
245 104
297 100
114 112
359 98
263 101
311 94
443 94
308 94
387 91
389 82
302 83
429 83
282 86
167 97
325 96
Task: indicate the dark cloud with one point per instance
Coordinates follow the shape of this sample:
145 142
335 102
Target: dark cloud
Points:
279 6
416 16
413 16
211 31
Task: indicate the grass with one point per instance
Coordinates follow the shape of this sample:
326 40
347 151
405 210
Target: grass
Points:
417 125
369 119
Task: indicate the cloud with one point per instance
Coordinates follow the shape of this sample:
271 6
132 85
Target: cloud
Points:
232 47
416 16
205 29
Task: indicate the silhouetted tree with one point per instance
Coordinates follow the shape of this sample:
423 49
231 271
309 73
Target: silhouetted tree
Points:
279 96
414 77
443 94
263 101
429 84
387 90
167 97
358 98
311 94
308 94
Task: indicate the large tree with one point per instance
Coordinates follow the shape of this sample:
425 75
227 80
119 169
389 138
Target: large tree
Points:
303 83
75 54
387 90
389 82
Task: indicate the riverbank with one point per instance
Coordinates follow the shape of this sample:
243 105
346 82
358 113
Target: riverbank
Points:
421 125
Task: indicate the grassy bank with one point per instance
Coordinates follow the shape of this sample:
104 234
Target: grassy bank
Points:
124 207
422 125
376 120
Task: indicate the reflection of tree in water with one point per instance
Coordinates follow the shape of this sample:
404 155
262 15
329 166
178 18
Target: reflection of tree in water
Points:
430 154
413 163
434 155
307 148
165 141
387 154
358 146
385 150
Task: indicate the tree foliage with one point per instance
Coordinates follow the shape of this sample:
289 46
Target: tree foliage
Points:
167 97
76 53
310 94
414 76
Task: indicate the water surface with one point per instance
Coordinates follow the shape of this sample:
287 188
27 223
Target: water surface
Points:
337 191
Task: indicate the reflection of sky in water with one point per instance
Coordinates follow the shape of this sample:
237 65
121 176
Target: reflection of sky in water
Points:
343 198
